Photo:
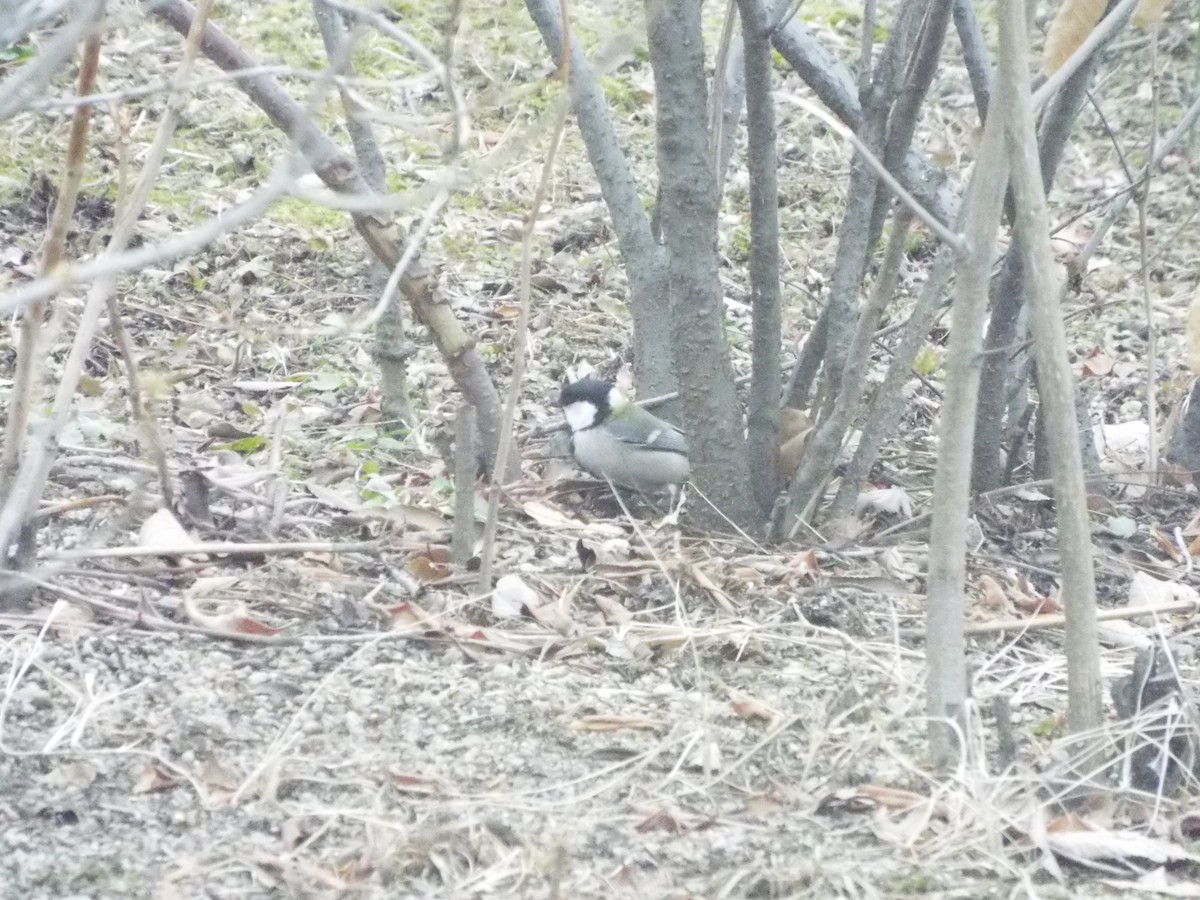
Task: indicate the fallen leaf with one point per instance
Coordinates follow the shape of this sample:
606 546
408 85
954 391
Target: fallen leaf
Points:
1146 590
216 775
993 599
1097 363
751 709
233 623
551 517
154 779
1115 846
163 530
666 819
549 615
426 569
511 596
408 616
613 611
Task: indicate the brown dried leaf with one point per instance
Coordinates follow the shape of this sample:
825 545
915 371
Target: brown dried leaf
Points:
752 709
1097 363
993 599
1072 24
426 569
794 430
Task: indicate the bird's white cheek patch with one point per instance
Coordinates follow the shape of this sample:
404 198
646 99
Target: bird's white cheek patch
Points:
580 415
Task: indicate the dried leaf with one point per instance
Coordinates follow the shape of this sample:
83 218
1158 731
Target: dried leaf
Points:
1071 26
614 722
1146 590
666 819
752 709
426 569
1166 543
993 599
794 431
511 596
346 501
1097 363
220 782
613 611
162 529
233 623
408 616
1149 11
890 797
549 615
154 779
551 517
1114 846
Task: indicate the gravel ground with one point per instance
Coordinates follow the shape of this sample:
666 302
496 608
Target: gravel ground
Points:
142 764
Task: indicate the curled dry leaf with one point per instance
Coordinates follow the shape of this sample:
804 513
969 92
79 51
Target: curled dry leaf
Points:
154 779
992 598
233 623
511 596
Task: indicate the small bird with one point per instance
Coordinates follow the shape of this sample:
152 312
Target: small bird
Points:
618 440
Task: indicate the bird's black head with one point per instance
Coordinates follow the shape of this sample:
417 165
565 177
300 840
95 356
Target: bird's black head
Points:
584 393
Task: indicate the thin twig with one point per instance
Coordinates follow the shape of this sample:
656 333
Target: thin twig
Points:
216 548
521 338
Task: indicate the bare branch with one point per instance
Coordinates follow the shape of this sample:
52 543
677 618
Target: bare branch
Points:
766 323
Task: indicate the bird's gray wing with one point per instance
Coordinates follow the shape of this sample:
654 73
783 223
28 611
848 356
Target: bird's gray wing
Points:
637 427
